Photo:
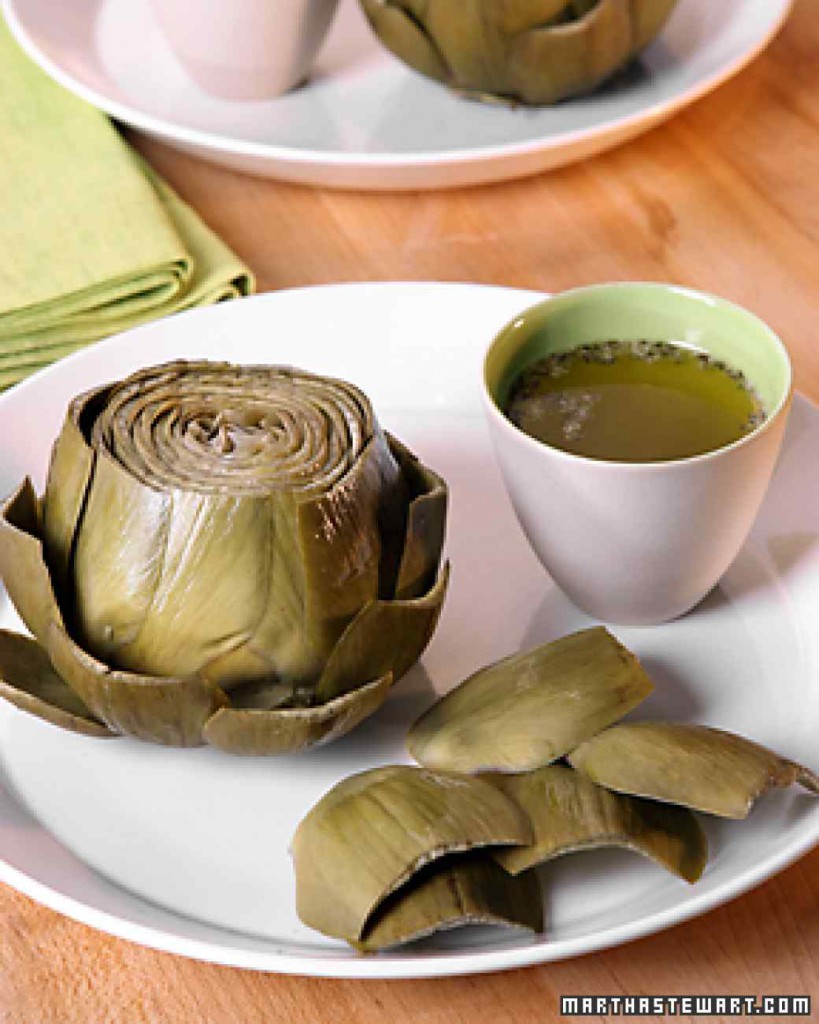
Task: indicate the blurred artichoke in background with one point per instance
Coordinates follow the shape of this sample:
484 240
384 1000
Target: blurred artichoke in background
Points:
531 51
231 555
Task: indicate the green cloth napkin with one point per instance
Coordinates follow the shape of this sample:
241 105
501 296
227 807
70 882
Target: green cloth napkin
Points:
91 240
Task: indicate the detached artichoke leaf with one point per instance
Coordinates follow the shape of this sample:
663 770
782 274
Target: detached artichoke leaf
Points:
257 732
692 765
28 681
373 831
22 567
569 813
385 636
167 710
453 892
426 523
532 708
265 695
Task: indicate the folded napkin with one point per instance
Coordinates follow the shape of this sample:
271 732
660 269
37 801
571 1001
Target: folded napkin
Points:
91 240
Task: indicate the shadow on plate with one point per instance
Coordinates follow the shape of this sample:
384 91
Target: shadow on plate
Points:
673 698
788 550
382 735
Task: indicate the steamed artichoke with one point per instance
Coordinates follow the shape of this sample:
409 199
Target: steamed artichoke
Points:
236 555
531 51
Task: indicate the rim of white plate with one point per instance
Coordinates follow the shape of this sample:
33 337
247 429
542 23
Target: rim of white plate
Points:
220 143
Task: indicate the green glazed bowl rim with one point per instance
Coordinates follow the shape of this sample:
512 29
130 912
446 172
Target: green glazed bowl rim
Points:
567 297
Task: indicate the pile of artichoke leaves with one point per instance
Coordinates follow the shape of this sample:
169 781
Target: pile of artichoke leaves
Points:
525 761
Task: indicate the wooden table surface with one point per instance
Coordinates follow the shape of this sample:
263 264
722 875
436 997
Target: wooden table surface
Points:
725 197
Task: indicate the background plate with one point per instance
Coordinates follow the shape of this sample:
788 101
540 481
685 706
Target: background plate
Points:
187 851
364 121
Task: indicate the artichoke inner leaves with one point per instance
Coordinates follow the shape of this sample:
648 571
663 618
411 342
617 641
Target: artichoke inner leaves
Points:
578 9
295 601
531 708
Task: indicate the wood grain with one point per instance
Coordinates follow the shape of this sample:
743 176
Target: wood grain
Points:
725 197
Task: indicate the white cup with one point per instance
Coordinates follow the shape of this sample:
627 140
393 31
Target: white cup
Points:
245 49
638 543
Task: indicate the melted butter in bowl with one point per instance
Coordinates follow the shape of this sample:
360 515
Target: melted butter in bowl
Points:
634 401
636 468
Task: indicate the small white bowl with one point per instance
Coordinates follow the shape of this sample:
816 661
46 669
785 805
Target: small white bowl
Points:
245 49
638 543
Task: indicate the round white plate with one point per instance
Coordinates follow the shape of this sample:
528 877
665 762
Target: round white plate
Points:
364 121
187 851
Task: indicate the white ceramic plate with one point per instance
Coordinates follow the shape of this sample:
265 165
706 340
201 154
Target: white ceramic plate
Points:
186 851
365 121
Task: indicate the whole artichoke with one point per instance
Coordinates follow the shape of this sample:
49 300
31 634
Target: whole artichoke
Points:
236 555
528 51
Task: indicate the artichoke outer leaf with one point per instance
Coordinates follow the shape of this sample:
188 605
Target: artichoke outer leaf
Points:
167 710
406 37
223 539
452 892
340 543
373 831
426 525
340 538
118 557
385 636
532 708
694 766
28 681
70 471
22 565
260 732
468 36
550 64
522 15
569 812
